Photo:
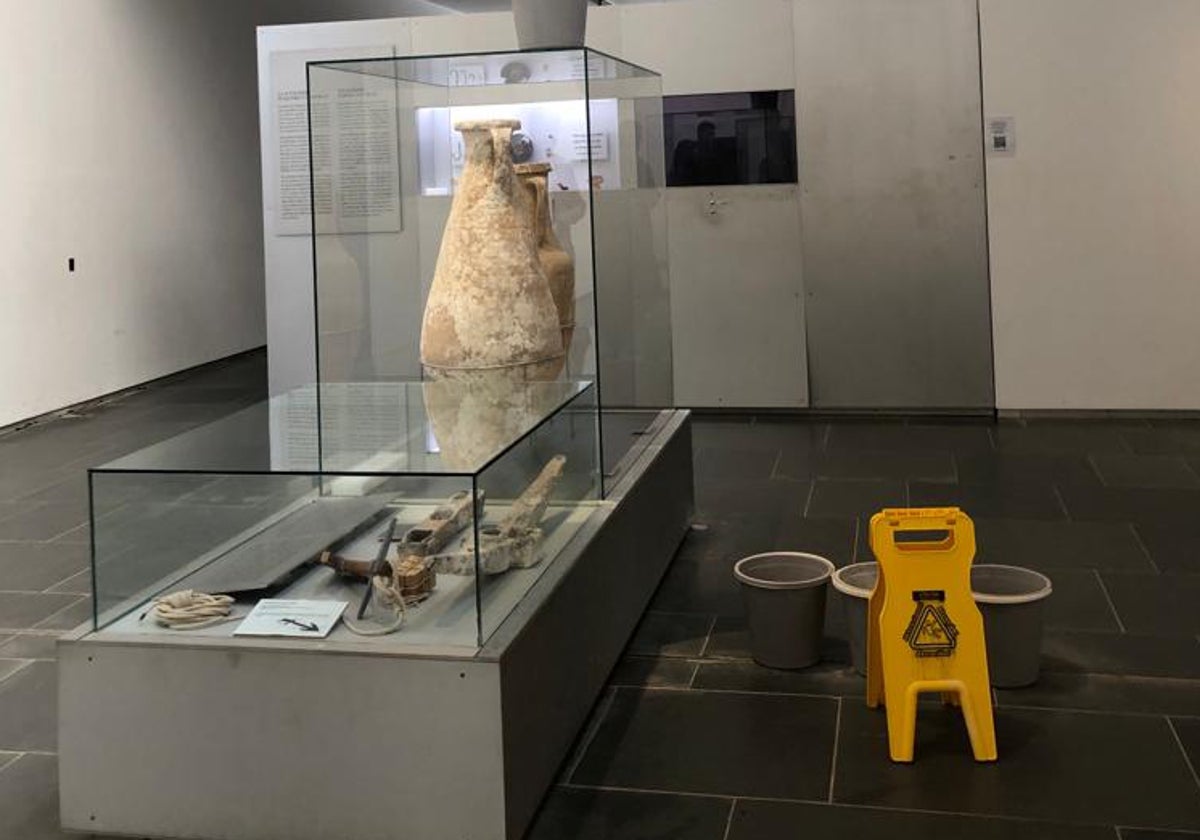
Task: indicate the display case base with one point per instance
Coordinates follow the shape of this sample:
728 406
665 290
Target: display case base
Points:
177 736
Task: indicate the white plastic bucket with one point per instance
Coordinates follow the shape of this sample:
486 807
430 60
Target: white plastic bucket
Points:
856 583
1012 601
784 595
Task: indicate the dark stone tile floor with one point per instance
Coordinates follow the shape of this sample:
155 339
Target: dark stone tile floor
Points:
694 741
45 579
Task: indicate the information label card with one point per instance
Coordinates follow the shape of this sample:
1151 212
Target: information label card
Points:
278 617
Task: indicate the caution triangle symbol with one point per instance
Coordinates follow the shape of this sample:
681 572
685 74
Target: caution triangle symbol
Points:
931 629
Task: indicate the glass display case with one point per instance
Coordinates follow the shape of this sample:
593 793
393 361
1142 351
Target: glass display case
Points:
243 507
411 159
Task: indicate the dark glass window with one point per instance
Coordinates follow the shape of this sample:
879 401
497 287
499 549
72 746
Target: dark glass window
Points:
730 138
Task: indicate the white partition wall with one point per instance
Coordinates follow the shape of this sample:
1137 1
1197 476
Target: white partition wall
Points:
1094 218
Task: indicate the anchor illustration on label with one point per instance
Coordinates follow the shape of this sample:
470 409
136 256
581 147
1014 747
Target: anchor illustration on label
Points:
931 632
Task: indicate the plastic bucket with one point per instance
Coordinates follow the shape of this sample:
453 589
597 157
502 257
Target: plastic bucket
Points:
1012 601
855 583
784 595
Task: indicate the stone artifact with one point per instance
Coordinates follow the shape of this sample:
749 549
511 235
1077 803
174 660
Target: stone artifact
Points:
490 311
513 542
556 263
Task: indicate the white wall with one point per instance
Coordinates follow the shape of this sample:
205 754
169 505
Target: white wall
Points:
712 46
1095 221
129 140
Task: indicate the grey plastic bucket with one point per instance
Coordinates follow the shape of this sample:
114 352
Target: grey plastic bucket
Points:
1012 601
855 584
784 595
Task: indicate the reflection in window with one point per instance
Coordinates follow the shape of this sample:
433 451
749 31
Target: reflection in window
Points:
730 138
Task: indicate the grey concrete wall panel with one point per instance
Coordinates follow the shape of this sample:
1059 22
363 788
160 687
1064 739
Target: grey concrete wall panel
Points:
736 295
218 744
892 205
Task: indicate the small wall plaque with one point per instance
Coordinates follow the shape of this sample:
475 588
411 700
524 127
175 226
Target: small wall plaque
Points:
1001 136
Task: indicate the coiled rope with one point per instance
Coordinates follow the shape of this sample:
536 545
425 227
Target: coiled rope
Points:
190 610
389 593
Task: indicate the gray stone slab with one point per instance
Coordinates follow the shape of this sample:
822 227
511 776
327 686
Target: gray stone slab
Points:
35 566
1047 545
724 744
1145 471
8 667
43 521
671 634
1105 692
580 814
30 646
659 672
29 709
80 612
1078 767
783 821
79 583
20 610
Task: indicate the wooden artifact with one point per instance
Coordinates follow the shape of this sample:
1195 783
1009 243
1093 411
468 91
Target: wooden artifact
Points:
436 530
512 542
409 578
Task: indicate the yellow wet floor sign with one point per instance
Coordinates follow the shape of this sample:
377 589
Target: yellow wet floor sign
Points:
924 632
